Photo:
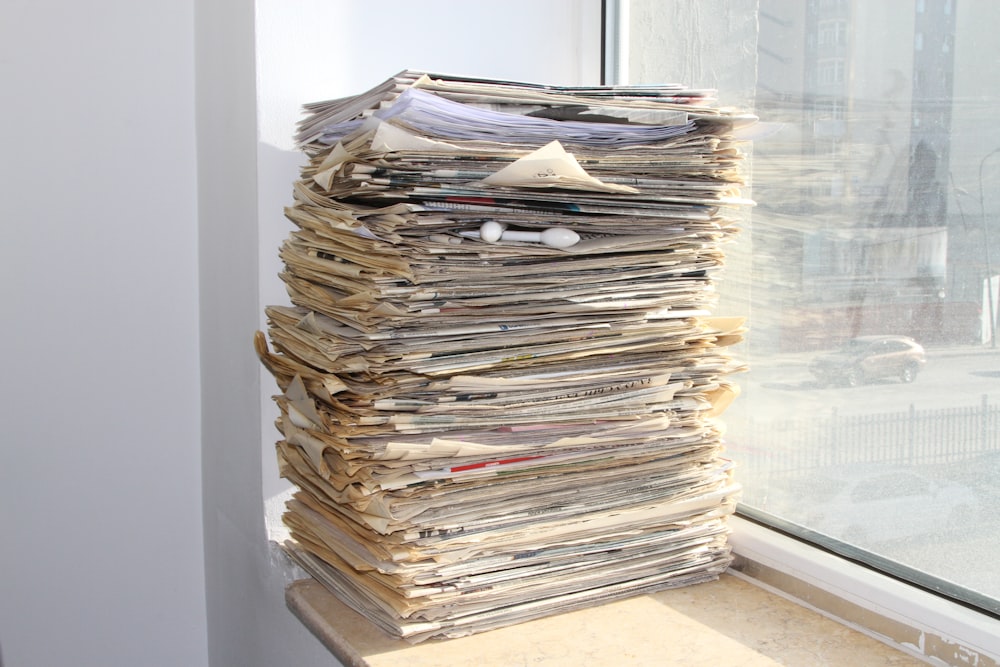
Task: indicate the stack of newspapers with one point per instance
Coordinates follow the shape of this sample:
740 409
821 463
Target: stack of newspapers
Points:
501 377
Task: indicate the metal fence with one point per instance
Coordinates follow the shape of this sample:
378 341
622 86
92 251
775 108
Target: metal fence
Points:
912 437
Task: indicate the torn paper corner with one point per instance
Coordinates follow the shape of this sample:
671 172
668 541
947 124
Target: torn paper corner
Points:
330 165
721 398
551 167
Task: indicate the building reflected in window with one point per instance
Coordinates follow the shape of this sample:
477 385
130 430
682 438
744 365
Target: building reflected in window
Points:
853 194
868 271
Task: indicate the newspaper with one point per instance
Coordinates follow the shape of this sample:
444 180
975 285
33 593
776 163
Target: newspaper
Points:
500 373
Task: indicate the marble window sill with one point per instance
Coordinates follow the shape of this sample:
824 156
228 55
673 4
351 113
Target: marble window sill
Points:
725 622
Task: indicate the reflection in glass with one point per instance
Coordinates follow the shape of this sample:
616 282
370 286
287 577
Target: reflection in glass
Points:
875 226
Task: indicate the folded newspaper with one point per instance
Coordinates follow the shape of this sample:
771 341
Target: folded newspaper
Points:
501 376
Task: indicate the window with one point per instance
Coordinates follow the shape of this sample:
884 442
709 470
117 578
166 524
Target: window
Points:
832 32
878 215
830 71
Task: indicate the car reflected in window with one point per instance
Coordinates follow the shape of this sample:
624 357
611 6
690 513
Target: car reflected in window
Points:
867 358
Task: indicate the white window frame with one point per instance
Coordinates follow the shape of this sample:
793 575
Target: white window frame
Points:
874 603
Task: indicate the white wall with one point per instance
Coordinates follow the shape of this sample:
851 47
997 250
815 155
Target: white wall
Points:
145 161
101 554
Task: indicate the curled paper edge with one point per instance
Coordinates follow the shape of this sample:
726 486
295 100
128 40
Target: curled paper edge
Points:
550 167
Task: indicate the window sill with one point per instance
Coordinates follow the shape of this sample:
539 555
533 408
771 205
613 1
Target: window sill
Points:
727 622
901 615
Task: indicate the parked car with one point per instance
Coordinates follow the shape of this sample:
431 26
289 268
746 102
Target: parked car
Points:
867 358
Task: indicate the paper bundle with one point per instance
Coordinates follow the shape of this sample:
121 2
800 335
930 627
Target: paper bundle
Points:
500 374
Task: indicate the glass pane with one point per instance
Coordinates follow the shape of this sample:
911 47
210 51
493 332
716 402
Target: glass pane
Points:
870 419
